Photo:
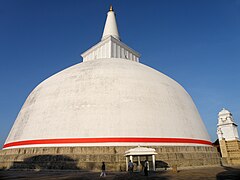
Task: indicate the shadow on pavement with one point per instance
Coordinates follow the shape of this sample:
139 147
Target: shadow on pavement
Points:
140 175
83 175
229 173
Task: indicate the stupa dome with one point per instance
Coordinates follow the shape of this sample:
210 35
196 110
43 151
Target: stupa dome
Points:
110 99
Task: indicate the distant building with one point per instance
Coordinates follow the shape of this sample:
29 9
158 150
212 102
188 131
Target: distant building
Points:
227 128
228 138
104 109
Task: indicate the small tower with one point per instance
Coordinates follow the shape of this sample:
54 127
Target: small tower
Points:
226 128
228 138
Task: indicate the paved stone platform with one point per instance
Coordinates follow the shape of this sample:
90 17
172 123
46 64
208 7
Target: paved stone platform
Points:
219 173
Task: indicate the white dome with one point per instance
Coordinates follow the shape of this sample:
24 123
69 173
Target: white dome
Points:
108 102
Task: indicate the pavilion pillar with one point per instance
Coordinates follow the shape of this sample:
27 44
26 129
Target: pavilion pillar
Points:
153 161
126 163
131 158
139 164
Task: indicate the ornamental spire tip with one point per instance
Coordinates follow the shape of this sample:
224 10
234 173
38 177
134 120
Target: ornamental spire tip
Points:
111 8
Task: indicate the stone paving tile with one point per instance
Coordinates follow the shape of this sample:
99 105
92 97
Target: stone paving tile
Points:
210 173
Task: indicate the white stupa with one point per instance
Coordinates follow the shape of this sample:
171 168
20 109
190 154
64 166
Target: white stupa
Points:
110 99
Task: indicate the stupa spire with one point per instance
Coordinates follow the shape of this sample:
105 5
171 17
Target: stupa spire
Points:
110 28
110 45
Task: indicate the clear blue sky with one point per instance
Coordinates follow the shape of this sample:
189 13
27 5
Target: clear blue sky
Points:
197 43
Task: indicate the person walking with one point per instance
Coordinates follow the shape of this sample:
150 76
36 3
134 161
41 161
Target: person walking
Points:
130 166
103 173
146 168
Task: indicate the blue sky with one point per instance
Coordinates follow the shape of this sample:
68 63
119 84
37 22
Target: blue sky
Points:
197 43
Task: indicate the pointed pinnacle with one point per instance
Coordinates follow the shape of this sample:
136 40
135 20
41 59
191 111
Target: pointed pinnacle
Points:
111 8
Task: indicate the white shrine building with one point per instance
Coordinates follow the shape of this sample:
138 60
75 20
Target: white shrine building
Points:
228 138
226 127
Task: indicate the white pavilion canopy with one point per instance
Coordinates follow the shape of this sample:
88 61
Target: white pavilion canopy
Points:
140 151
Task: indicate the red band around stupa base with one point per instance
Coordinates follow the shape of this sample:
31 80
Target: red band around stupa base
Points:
105 140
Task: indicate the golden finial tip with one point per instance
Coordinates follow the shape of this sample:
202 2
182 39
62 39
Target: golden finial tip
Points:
111 8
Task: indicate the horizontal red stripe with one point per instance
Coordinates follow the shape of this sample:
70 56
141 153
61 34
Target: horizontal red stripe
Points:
106 140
